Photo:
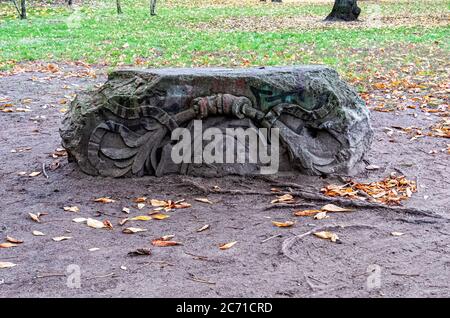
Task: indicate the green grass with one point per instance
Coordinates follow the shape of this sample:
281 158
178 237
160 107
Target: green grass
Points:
99 35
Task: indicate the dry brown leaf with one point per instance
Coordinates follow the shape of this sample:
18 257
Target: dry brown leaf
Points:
164 243
104 200
334 208
7 245
226 246
203 200
71 209
6 264
283 224
327 235
108 224
140 200
132 230
203 228
61 238
307 212
13 240
154 202
286 198
181 205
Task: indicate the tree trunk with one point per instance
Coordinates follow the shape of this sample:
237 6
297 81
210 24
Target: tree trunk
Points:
344 10
119 7
152 7
23 9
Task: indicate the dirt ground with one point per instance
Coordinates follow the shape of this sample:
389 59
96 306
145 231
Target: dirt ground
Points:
416 264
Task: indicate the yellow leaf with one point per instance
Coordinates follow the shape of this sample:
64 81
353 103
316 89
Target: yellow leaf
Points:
141 218
283 224
226 246
159 216
334 208
327 236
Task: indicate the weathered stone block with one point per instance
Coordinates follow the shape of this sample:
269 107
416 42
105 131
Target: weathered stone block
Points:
124 128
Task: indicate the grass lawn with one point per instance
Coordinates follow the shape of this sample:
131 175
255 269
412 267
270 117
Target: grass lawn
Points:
229 33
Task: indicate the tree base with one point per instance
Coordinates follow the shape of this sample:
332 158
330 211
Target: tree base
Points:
344 10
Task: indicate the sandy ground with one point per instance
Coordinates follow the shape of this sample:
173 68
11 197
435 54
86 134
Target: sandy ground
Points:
369 262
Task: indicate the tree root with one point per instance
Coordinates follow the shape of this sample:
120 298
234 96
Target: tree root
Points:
288 243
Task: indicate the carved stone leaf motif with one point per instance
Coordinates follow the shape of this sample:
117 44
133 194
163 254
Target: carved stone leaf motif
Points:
134 151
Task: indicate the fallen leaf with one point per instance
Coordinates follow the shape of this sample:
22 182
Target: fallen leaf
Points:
321 215
104 200
163 243
71 209
160 216
140 206
79 220
372 167
35 174
141 218
334 208
204 200
140 252
167 237
8 245
96 224
126 210
37 233
6 264
108 224
34 217
307 212
93 249
13 240
132 230
123 221
61 238
203 228
286 198
226 246
397 233
140 200
154 202
283 224
327 235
